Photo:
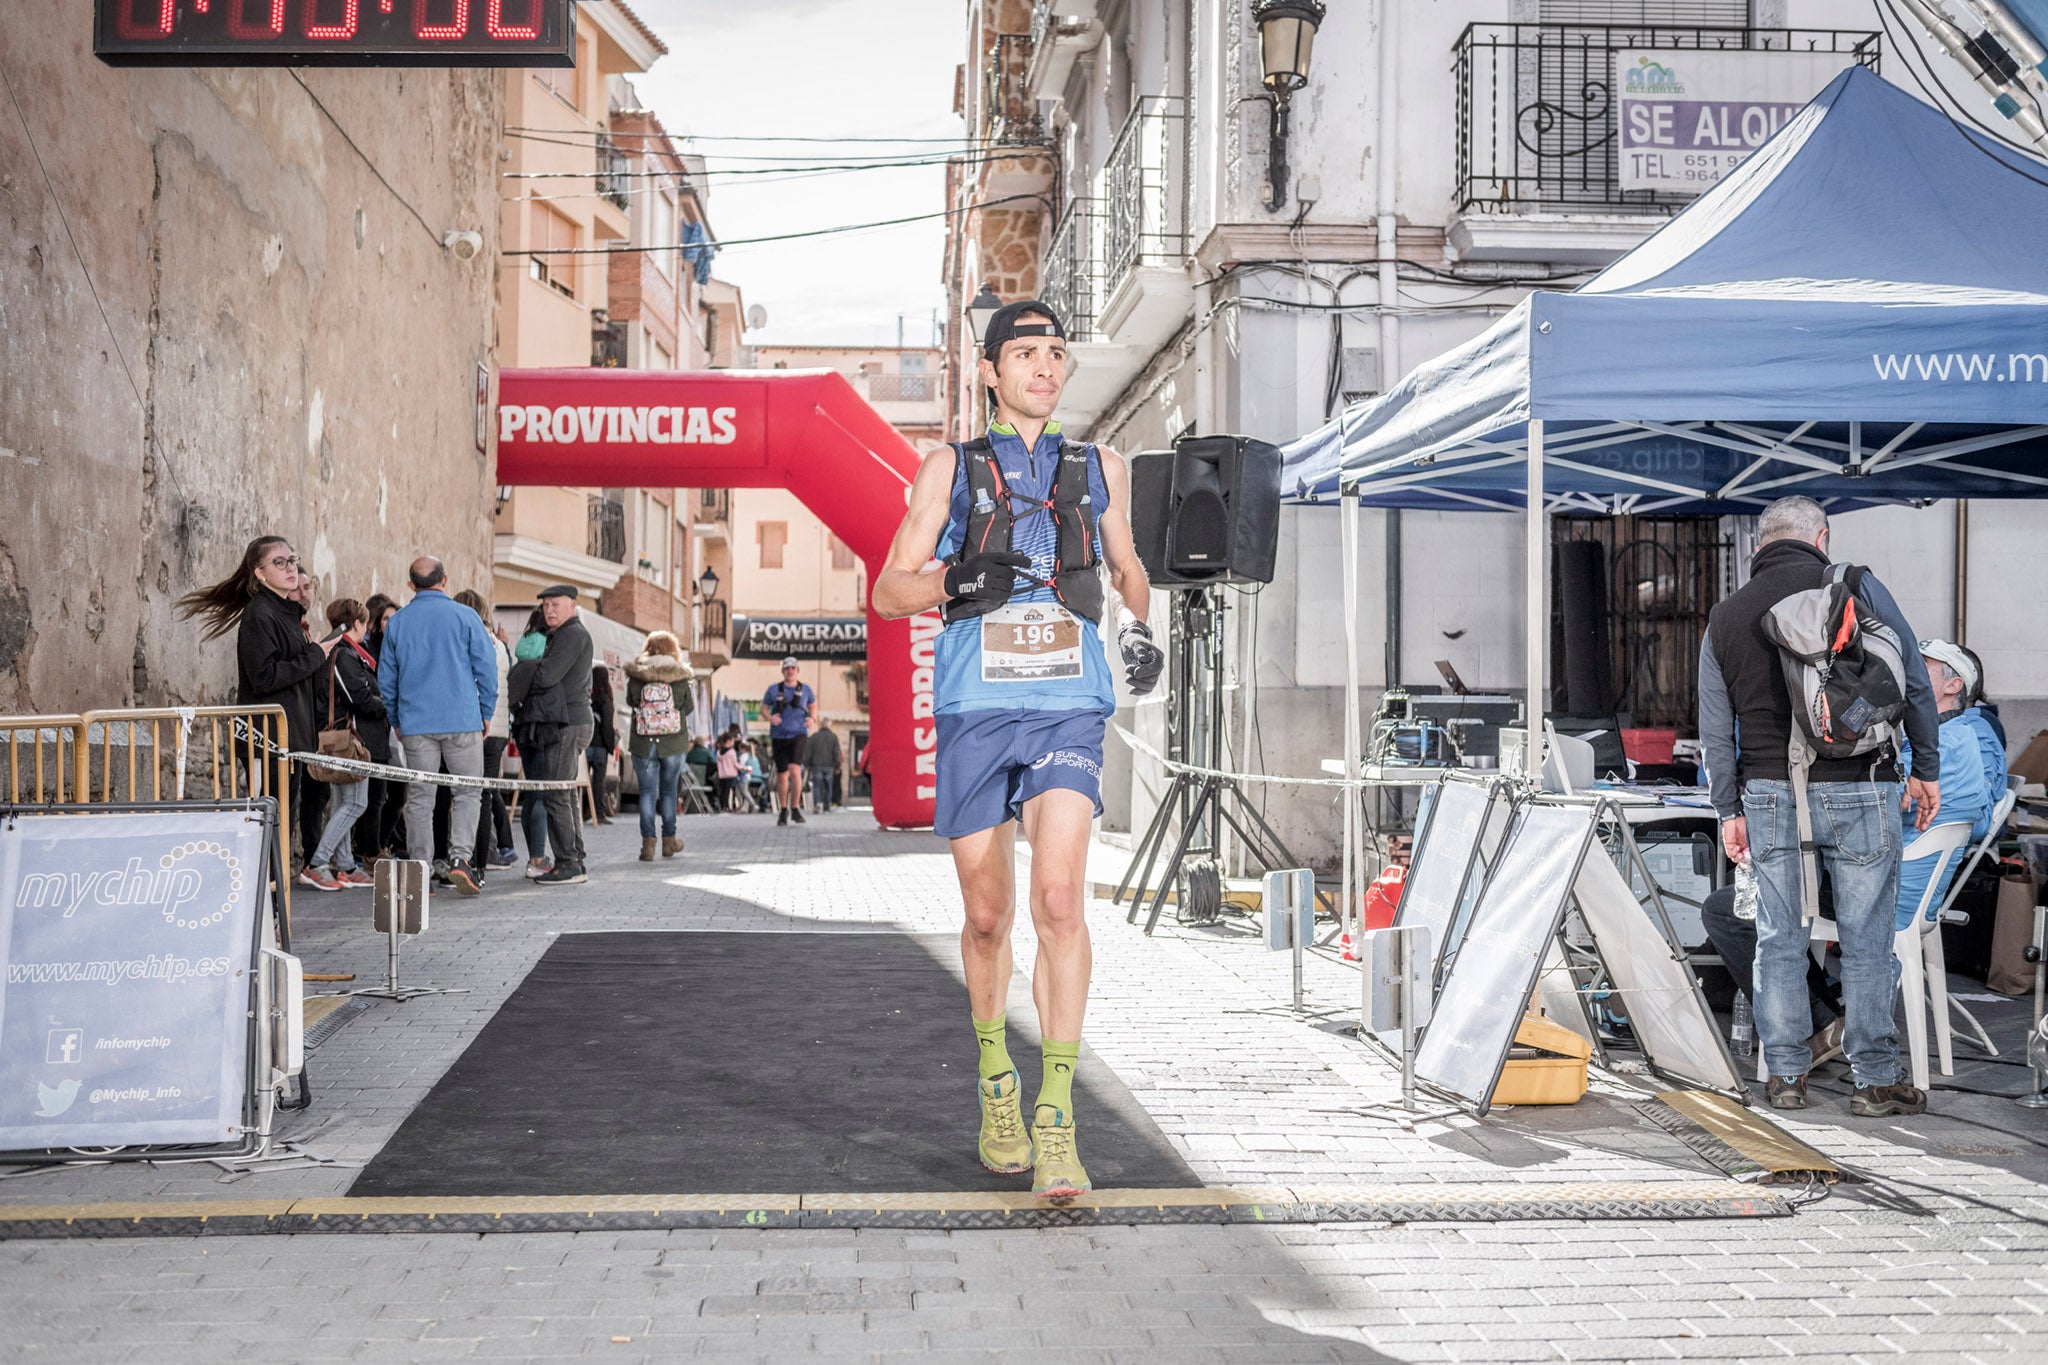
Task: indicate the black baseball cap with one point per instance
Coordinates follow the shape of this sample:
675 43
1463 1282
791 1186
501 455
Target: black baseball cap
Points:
1004 326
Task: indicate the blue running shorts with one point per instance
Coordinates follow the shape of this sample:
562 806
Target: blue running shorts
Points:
991 762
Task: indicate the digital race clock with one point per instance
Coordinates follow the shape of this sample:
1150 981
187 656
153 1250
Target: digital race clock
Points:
335 32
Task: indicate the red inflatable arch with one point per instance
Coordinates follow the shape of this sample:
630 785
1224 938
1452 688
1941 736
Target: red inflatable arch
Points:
803 430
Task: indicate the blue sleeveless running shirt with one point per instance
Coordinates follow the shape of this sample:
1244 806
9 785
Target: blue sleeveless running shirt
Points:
1030 474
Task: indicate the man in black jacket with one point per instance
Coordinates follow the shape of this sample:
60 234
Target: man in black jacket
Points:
1745 719
559 697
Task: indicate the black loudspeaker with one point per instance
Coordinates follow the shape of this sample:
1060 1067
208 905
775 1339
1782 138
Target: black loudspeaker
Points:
1207 511
1582 610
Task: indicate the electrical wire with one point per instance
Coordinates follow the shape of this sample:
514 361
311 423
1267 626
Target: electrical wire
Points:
991 151
714 137
328 114
1886 12
779 237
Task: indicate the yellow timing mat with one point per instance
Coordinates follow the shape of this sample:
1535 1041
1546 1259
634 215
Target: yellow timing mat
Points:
1737 1140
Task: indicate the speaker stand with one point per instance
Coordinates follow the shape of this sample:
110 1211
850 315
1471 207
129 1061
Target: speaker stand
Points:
1199 803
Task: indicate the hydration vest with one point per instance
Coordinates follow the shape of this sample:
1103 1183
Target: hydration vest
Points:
992 516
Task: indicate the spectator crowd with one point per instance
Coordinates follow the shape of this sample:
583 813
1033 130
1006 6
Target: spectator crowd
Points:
435 685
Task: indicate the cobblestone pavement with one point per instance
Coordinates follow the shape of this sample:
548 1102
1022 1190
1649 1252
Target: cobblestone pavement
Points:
1942 1256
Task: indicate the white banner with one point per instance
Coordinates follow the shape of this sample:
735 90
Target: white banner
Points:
1686 118
127 942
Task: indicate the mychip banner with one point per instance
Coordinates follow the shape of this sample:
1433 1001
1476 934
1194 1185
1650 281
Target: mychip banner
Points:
127 941
1686 118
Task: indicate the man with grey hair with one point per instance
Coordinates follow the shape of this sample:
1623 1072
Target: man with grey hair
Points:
1745 719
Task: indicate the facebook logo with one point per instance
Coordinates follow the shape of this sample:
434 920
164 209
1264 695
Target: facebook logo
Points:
67 1045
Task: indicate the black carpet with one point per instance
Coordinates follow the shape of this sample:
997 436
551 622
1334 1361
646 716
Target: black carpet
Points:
766 1063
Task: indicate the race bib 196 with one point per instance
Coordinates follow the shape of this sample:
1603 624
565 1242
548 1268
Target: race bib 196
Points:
1030 642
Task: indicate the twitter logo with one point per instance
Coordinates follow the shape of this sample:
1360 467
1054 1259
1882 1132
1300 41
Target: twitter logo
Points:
56 1098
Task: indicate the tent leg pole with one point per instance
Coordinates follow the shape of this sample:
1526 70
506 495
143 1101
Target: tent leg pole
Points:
1536 573
1352 720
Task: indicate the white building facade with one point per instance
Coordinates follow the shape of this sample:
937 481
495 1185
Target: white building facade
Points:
1443 160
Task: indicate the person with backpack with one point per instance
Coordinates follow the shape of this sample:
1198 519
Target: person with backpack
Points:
1819 777
657 697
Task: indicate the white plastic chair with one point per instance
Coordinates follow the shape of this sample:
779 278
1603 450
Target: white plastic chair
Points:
1910 946
1936 960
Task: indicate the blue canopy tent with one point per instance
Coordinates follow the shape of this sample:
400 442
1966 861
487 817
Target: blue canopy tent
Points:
1858 313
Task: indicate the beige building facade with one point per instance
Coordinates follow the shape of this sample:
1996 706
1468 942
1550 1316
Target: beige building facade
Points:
226 310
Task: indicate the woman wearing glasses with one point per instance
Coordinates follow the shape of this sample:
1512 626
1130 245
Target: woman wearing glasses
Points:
277 664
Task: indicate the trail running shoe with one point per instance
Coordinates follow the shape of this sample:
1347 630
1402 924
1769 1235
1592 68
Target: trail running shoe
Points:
1004 1146
1059 1173
1788 1092
353 877
318 880
1881 1101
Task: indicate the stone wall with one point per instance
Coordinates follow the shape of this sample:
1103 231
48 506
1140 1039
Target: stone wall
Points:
225 311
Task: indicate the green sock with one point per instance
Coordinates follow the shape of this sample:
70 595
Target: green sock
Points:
995 1055
1056 1085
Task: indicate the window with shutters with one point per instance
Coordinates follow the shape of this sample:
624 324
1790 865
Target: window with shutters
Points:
549 232
771 536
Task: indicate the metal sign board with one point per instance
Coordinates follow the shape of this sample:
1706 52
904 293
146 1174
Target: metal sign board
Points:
1397 988
1518 914
1289 902
399 886
130 942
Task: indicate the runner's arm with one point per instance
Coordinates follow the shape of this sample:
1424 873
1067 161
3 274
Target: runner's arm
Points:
1119 548
910 582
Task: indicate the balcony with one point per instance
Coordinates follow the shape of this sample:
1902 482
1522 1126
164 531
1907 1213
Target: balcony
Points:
901 388
614 175
1075 282
711 516
1537 168
1144 227
607 529
712 645
1061 31
1009 109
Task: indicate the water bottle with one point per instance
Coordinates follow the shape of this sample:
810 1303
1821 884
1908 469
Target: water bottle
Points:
1745 890
1742 1036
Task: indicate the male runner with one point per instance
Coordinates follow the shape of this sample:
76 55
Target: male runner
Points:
792 708
1020 523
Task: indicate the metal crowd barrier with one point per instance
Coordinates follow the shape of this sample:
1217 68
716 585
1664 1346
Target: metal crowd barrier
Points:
42 758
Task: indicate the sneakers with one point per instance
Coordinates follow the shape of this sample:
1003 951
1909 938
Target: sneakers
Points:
440 873
355 877
1004 1147
1058 1169
505 858
1787 1092
318 879
536 868
796 813
671 846
1880 1101
562 874
1827 1044
782 816
464 878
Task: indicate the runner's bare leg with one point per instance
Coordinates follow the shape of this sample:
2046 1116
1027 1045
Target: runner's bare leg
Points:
986 863
1056 824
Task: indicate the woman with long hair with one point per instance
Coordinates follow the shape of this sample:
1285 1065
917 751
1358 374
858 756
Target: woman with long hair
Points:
657 695
276 665
380 829
349 696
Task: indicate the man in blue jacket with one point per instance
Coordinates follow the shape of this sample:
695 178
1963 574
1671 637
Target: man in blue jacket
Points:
440 684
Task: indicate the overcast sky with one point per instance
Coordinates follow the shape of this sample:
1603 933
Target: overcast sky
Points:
807 69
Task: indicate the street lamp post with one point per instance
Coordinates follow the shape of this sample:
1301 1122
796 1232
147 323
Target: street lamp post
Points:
980 313
1287 36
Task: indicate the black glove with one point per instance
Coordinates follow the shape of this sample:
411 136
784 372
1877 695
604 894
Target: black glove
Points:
990 577
1143 660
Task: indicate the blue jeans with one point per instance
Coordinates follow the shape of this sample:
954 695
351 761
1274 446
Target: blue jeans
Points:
1856 831
658 776
351 799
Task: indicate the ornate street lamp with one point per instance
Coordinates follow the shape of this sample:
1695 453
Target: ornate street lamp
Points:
707 583
1287 38
980 313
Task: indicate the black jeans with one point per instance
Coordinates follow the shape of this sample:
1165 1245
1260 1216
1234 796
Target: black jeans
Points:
309 808
492 815
1734 941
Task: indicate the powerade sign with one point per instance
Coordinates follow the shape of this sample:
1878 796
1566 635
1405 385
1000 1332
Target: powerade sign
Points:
834 639
1687 118
127 942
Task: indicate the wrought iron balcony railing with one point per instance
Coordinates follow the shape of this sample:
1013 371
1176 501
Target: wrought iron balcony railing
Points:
1536 108
1073 276
714 504
1008 108
607 539
614 174
1144 190
714 628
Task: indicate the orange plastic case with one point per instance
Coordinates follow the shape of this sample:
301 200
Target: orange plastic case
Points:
1547 1065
